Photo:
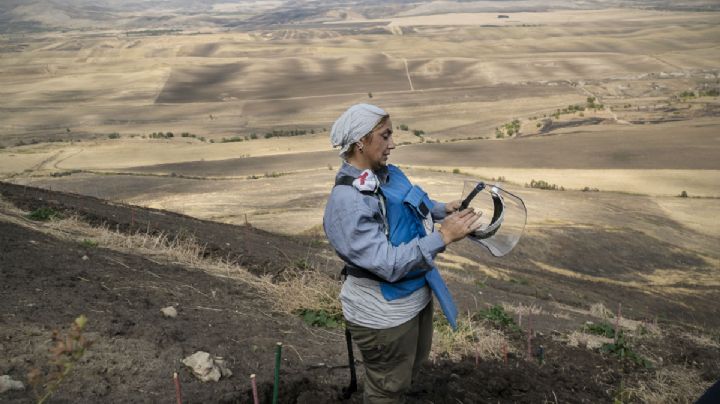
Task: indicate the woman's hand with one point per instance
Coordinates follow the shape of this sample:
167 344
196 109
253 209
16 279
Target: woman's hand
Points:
451 207
459 224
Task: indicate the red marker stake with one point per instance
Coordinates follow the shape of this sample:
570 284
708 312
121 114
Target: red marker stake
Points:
178 394
256 400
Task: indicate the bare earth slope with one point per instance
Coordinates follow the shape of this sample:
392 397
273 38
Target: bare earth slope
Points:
47 281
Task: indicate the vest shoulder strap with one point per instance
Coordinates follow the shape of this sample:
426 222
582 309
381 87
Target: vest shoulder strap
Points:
344 180
348 180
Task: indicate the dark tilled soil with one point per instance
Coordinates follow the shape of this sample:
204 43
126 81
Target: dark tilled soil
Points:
46 282
136 349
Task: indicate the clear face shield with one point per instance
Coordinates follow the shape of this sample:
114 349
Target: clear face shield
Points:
503 216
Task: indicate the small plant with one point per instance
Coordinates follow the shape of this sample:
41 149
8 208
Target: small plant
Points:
520 281
456 171
43 214
404 127
302 265
89 243
65 355
622 395
687 94
622 350
603 329
320 318
683 194
114 135
499 317
369 95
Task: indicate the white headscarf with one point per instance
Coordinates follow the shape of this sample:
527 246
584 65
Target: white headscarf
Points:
353 124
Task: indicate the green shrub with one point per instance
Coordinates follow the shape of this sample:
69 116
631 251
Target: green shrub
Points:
498 316
542 184
89 243
320 318
603 329
622 350
687 94
43 214
65 173
114 135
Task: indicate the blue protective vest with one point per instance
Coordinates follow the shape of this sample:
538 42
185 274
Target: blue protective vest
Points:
407 205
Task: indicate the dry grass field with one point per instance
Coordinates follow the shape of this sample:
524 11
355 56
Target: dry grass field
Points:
618 109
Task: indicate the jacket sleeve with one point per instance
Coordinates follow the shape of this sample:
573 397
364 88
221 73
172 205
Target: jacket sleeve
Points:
355 227
438 211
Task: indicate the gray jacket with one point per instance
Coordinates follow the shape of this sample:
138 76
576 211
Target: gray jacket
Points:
355 227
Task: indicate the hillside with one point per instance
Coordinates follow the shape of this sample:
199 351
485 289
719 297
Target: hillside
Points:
94 258
61 15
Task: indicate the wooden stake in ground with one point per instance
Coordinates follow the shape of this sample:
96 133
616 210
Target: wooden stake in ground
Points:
529 337
178 393
276 385
256 400
505 353
477 356
617 321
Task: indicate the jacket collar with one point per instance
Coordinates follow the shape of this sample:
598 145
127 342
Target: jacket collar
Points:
349 169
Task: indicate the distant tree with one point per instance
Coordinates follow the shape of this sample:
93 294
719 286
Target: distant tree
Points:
369 95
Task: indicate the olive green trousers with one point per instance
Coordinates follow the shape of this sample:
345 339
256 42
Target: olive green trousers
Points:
393 357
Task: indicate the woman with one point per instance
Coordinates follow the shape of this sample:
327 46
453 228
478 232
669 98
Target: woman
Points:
382 227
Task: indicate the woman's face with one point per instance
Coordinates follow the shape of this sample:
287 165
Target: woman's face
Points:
377 145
